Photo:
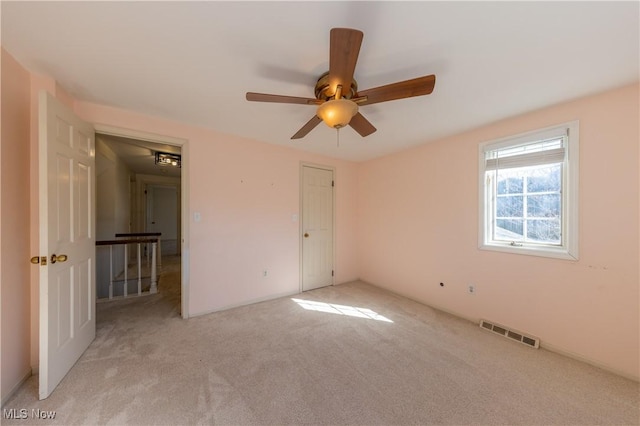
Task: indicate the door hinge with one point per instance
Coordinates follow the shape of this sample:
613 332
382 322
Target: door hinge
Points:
333 183
332 272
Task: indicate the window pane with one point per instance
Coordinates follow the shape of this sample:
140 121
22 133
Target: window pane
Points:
509 229
545 178
528 204
508 184
546 205
544 231
509 206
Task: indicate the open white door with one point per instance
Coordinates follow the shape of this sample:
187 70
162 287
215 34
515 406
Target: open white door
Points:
67 240
317 227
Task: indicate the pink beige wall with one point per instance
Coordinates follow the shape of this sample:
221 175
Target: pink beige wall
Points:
14 225
246 193
418 226
405 222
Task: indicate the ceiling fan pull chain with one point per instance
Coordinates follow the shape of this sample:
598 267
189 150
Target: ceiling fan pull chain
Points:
338 136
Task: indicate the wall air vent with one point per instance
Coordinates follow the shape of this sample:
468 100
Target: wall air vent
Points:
531 341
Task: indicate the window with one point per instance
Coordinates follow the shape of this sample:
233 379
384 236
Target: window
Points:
529 194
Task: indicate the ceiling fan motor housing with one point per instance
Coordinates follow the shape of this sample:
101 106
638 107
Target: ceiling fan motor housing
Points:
323 90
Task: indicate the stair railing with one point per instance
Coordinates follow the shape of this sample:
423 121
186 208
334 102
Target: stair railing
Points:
154 258
157 235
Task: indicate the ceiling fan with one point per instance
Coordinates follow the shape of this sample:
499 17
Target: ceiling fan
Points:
336 91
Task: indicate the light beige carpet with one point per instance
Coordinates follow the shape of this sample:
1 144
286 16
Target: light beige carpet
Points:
277 363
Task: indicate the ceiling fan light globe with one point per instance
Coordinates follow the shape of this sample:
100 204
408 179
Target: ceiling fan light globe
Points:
337 113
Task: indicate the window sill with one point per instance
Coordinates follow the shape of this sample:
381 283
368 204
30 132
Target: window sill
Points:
528 250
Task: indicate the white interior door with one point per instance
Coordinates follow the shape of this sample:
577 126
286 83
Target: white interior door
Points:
162 215
67 240
317 227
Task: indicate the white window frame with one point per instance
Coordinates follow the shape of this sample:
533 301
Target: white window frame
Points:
568 249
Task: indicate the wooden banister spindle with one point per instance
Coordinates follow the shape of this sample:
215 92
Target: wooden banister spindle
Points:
126 267
154 277
139 272
110 272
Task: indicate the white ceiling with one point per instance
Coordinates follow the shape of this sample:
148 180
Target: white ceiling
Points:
194 61
140 156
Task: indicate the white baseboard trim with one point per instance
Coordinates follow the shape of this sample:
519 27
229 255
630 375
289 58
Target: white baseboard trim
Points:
543 344
248 302
15 388
578 357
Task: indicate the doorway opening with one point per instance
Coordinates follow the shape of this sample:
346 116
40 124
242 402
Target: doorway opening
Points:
140 198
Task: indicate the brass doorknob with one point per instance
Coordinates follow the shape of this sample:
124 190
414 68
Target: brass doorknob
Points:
306 235
58 258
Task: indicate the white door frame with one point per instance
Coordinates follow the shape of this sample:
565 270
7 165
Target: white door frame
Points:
184 199
332 169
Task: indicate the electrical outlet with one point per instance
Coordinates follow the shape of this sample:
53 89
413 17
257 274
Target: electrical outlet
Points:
471 289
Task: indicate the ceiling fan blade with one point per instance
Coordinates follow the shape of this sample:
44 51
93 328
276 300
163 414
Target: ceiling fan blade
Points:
400 90
311 124
344 49
281 99
362 125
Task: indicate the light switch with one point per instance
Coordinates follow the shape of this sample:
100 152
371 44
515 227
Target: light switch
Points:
294 217
197 217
